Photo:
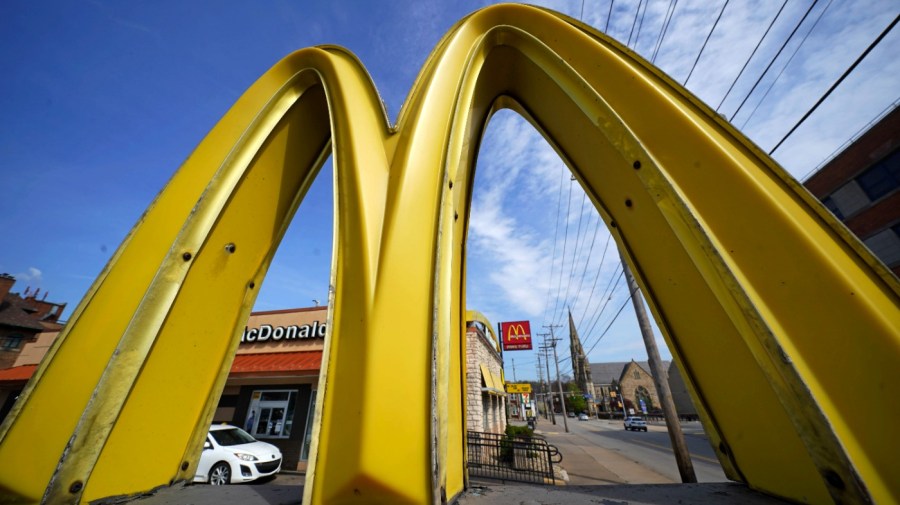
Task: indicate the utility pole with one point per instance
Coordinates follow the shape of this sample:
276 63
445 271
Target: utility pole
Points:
562 395
543 394
682 456
546 349
514 370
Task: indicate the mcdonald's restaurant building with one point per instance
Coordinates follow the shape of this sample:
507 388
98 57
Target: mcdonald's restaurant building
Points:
270 391
271 388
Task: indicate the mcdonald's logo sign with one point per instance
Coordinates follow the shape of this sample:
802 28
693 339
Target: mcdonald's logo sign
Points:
516 336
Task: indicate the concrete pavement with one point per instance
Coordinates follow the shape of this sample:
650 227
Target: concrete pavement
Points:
595 475
594 465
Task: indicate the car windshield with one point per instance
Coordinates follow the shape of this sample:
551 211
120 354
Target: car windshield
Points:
232 436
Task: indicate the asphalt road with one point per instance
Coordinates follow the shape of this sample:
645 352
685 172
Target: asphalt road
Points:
632 457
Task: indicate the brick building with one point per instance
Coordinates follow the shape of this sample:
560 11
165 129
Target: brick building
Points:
861 186
25 321
23 318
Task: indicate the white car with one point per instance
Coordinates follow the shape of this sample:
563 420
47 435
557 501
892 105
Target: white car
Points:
231 455
635 423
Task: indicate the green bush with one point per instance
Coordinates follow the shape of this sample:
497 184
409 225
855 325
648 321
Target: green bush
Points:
519 431
506 444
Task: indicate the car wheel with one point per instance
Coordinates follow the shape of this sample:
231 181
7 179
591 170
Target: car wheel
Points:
220 474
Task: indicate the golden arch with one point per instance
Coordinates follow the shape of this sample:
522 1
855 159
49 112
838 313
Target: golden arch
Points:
753 283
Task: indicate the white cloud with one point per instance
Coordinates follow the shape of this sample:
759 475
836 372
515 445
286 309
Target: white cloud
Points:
32 275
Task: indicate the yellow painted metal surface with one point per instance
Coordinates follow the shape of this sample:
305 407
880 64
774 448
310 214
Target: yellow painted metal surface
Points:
783 324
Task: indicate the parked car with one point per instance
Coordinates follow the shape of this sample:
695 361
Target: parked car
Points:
583 417
231 455
635 423
570 414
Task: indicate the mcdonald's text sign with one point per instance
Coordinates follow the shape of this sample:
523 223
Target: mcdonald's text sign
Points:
516 336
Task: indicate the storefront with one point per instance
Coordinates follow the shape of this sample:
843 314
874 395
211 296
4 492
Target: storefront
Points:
271 390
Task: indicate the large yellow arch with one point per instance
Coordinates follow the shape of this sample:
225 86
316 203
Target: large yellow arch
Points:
781 321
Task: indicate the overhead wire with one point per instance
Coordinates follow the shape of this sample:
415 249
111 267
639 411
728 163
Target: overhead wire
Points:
837 83
562 264
608 297
555 240
705 42
637 36
575 251
786 65
609 16
586 262
634 24
597 278
746 63
670 12
611 322
774 58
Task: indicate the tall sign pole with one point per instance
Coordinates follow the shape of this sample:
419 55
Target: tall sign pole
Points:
682 456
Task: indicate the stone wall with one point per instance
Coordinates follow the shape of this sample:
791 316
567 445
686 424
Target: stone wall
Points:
484 411
633 377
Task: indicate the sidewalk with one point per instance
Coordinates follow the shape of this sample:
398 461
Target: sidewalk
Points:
587 465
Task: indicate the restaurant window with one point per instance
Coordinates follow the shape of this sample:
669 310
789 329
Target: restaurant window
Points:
271 413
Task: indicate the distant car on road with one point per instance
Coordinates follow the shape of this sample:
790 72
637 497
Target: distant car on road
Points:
583 417
635 423
231 455
570 414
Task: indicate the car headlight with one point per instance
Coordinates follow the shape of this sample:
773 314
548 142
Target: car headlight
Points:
243 456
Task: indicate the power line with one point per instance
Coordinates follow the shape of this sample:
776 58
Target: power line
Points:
633 24
705 42
575 251
609 16
751 55
640 25
608 297
838 82
562 175
587 261
786 65
788 39
610 323
597 278
669 14
562 264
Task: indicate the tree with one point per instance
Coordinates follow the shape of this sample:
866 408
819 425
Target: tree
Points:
575 401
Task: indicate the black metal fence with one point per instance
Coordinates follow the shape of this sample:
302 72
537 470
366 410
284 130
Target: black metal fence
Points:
520 459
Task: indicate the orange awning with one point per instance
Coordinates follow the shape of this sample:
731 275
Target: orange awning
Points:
16 374
309 361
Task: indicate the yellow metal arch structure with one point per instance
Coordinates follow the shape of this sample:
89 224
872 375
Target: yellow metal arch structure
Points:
786 328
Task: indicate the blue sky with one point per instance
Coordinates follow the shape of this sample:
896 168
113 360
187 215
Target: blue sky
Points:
102 101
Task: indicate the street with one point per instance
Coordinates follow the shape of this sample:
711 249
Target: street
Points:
603 452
